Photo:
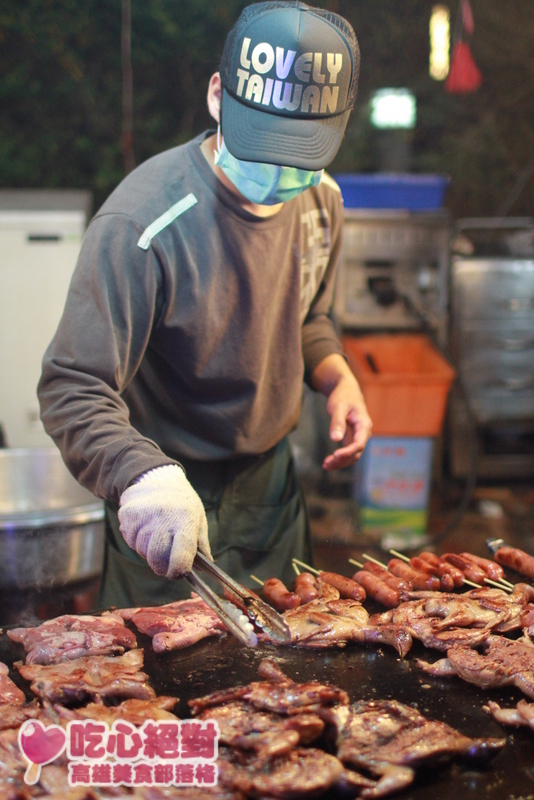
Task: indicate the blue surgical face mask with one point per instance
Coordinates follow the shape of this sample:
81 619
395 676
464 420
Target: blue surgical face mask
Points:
264 184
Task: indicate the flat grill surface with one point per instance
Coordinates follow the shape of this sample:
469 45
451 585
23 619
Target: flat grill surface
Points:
366 673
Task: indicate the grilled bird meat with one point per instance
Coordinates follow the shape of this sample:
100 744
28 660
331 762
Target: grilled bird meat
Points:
175 625
95 677
503 662
442 620
262 726
522 714
268 734
132 710
390 740
14 716
334 623
70 636
10 694
276 693
13 708
12 766
301 772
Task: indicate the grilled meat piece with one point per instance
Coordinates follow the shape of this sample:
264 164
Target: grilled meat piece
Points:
528 620
300 773
12 766
390 740
522 714
10 694
132 710
14 716
96 677
268 734
54 780
70 636
277 693
326 623
441 620
175 625
503 662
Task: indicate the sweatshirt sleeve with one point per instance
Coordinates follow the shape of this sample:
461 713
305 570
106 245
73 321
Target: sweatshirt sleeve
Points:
319 338
111 309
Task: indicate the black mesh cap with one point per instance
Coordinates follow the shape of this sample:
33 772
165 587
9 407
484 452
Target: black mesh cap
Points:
290 78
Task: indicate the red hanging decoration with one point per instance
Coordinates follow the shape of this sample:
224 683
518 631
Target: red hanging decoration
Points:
467 18
464 75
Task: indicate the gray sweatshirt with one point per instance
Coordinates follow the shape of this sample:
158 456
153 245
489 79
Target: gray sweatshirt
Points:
189 323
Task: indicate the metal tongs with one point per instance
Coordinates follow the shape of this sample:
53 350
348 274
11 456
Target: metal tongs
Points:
242 610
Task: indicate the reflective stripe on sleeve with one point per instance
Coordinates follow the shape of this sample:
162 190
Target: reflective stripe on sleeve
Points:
161 222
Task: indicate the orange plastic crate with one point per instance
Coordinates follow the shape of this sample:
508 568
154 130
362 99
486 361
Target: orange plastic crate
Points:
407 394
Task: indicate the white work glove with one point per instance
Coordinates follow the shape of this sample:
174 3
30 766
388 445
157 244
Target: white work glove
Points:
162 518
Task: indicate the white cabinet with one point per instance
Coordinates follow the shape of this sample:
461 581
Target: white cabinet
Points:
38 252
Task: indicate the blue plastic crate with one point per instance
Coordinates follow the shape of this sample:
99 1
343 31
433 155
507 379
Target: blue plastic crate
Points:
392 190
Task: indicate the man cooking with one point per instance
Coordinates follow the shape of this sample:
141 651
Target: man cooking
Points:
199 303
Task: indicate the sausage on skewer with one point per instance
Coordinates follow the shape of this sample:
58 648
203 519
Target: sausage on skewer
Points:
491 568
347 588
446 582
418 579
377 589
392 580
443 567
516 559
306 587
277 594
469 568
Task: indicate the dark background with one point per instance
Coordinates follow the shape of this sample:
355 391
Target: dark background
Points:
61 92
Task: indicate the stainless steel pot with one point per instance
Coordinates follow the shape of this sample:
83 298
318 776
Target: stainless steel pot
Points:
51 528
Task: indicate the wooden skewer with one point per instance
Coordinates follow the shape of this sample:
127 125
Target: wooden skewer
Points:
297 570
306 566
498 585
506 583
370 558
399 555
356 563
405 558
257 580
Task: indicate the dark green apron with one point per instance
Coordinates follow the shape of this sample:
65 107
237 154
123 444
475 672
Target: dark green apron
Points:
257 523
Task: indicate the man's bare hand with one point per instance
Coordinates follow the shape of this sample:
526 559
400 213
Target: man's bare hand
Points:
350 423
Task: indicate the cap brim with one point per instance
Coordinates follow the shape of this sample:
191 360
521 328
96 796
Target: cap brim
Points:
253 135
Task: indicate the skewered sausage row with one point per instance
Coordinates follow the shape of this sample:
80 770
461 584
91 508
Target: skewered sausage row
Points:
347 588
426 572
398 584
419 580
